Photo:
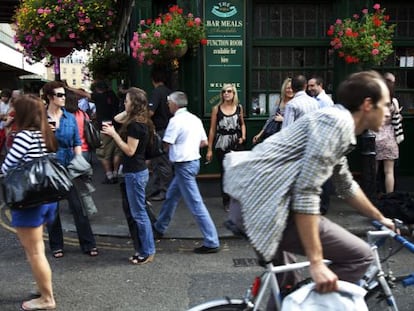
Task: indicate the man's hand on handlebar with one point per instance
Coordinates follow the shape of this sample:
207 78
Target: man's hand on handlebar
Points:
389 223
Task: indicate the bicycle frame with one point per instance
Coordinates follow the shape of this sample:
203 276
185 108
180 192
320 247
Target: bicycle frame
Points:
269 278
375 278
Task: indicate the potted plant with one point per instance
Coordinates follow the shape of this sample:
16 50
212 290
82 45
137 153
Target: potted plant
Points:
106 63
364 39
42 24
167 37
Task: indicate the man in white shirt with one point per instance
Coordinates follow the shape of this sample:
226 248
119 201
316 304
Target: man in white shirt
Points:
184 136
315 89
300 104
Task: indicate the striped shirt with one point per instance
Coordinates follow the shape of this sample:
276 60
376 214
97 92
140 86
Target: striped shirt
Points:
298 106
25 148
286 171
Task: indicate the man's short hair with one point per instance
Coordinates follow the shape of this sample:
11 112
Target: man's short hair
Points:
299 83
353 91
180 98
6 93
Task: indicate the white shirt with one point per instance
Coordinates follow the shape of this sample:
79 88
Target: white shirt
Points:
184 133
324 100
298 106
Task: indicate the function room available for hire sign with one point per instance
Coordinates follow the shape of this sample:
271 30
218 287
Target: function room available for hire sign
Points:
224 61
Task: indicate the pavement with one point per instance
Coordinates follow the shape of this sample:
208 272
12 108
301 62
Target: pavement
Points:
110 220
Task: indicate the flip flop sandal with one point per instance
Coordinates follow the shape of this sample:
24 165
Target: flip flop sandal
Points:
133 259
58 253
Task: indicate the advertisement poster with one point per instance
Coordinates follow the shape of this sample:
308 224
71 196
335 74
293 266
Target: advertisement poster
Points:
225 50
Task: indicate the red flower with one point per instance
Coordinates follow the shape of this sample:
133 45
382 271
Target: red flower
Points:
163 42
177 41
377 22
203 41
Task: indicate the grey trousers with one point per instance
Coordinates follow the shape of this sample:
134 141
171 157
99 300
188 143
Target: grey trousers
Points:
350 255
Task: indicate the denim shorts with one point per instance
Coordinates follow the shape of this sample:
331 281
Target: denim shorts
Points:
34 217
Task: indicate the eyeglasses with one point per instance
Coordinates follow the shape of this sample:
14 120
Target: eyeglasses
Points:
60 95
227 91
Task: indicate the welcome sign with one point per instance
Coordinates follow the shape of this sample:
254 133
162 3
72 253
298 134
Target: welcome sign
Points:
224 54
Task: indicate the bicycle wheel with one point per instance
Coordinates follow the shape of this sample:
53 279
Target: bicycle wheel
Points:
222 305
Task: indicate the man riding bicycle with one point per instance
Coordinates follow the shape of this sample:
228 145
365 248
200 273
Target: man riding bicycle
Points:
278 184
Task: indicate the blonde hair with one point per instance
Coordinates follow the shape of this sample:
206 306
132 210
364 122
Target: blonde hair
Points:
235 97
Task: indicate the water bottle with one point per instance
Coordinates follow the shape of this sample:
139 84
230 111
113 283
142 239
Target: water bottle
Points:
409 280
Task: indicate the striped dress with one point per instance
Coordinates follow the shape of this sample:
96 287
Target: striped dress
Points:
25 147
286 173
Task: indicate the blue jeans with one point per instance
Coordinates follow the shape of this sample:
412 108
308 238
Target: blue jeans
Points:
184 185
135 188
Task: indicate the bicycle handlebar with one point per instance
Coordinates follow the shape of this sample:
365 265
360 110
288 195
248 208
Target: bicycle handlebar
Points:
400 239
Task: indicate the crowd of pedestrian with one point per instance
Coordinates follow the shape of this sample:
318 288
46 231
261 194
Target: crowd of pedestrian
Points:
306 146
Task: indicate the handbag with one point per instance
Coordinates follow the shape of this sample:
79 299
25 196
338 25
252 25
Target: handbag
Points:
92 134
33 183
271 128
155 147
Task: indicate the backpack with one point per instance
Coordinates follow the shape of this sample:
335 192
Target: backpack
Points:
155 147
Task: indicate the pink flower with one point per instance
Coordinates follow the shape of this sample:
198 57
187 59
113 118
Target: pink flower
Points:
87 20
52 39
157 34
197 20
355 16
375 51
155 52
365 11
72 35
158 22
51 25
338 21
377 6
142 22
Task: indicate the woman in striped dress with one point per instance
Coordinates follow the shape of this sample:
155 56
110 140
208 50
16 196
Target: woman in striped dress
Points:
33 139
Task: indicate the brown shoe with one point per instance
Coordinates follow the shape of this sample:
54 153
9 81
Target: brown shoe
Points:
138 260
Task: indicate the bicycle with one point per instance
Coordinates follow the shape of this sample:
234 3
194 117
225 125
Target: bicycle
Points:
376 281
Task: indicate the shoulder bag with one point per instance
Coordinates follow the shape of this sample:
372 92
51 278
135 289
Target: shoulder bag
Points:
92 134
33 183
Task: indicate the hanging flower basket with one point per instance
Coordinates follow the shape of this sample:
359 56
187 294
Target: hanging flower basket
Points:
363 39
167 37
41 25
60 48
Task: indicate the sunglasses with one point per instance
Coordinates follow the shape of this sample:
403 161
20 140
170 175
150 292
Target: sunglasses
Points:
227 91
60 95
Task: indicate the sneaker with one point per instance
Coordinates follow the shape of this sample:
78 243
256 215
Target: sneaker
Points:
206 250
159 197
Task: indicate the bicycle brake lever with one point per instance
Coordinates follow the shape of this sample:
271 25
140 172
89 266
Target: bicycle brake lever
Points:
398 223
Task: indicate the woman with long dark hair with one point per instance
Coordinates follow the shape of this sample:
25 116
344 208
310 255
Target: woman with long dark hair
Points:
69 144
33 139
133 138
